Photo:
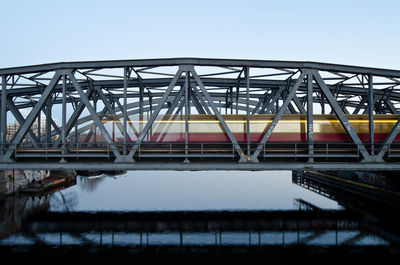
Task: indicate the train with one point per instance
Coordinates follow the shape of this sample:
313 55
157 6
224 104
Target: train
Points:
290 128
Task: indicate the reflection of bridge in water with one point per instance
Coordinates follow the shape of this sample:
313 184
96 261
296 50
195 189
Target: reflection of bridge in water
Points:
200 114
286 227
360 229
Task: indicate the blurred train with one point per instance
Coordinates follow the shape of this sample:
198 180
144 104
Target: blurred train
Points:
290 128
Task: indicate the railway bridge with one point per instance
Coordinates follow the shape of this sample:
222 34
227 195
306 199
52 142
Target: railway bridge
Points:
199 114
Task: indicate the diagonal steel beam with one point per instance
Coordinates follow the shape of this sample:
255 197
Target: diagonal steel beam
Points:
196 102
267 99
277 117
255 109
291 109
131 112
74 117
20 119
155 114
341 116
391 107
219 116
23 130
389 140
111 111
92 127
271 104
202 101
175 101
360 105
130 123
298 104
95 117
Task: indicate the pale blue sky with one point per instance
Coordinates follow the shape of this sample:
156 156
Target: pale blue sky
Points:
363 33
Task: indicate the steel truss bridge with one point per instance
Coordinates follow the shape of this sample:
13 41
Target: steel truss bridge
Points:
79 100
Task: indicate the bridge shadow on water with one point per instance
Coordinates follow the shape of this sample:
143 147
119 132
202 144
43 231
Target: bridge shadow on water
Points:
364 229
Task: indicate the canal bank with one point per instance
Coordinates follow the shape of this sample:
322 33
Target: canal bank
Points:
382 187
33 181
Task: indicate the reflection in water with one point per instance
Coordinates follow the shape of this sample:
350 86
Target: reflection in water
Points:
231 214
64 201
89 184
14 209
200 191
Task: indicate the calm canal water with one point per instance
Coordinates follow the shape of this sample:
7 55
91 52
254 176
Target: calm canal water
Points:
173 191
200 210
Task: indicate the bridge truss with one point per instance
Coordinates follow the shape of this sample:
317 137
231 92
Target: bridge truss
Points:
76 98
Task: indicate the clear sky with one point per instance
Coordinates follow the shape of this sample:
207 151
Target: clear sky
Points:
365 33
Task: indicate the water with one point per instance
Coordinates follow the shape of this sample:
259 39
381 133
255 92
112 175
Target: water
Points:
174 191
195 212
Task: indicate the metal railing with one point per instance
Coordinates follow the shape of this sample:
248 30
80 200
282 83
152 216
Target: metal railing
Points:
196 150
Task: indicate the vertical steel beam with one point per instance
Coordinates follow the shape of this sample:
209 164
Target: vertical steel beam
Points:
95 111
64 117
187 78
76 127
310 117
125 119
322 105
39 125
237 99
231 98
141 91
3 115
140 96
277 117
371 104
56 129
115 119
48 118
247 76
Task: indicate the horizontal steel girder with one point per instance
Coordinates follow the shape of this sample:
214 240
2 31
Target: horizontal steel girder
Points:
200 62
194 166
